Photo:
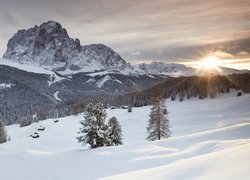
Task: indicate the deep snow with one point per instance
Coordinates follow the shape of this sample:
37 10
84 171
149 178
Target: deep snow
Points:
210 140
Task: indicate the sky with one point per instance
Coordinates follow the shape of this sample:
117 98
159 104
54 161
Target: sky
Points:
171 31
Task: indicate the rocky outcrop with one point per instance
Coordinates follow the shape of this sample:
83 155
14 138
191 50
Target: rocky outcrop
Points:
49 46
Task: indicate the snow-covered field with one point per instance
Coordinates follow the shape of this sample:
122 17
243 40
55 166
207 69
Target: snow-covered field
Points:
210 140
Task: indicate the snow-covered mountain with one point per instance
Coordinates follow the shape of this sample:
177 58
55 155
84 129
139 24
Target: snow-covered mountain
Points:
49 46
162 68
227 71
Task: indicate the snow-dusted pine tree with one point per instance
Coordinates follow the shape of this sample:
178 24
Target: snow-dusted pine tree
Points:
114 132
94 129
3 134
158 126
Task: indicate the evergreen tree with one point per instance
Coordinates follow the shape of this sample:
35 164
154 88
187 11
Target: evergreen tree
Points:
158 126
114 132
3 134
94 129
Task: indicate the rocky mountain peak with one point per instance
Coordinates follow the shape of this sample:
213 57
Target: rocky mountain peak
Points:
51 31
49 46
51 25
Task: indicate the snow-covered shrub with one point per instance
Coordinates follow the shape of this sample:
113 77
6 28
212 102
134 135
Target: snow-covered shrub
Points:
94 129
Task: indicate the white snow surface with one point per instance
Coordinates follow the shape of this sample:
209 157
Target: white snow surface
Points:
102 81
210 140
6 85
90 80
56 96
30 68
25 67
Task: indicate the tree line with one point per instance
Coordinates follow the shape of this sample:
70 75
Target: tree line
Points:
182 88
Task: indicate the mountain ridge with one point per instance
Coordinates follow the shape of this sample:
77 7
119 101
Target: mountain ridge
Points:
49 47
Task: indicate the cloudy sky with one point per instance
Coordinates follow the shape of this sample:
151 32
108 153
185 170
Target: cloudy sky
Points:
180 31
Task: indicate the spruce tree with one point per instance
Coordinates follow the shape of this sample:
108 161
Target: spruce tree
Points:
94 129
3 134
158 126
114 132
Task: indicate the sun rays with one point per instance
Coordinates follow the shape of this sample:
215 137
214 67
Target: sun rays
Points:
210 62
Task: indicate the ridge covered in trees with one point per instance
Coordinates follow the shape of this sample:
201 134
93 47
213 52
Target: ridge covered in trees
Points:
187 87
180 88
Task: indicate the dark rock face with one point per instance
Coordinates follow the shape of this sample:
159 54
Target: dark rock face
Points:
49 46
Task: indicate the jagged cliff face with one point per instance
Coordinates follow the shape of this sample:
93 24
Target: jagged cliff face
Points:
49 46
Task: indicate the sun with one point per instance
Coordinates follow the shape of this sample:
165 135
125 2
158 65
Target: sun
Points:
210 62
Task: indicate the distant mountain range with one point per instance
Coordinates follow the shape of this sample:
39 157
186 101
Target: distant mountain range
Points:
49 46
44 66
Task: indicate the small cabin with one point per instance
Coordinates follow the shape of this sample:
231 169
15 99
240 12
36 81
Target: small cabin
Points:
35 135
41 128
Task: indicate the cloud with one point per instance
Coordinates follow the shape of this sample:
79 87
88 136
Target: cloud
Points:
243 53
136 53
139 61
222 54
8 19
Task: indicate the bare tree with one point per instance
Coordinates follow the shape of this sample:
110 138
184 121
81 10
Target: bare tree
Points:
158 126
3 133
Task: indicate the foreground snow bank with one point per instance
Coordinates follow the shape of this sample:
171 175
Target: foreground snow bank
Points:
210 140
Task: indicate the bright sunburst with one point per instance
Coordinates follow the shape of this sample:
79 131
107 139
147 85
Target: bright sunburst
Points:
210 62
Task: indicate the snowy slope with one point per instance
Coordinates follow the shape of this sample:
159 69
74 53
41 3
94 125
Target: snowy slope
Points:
210 140
56 96
102 81
30 68
25 67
